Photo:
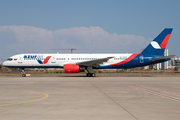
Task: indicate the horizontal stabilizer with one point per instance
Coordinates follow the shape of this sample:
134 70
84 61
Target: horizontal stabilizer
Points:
162 58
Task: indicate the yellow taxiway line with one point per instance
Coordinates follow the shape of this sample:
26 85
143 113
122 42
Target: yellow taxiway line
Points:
46 95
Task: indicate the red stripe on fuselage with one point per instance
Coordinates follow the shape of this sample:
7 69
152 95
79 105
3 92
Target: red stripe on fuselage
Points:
126 60
47 59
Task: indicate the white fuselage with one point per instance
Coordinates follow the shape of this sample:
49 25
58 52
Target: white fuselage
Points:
58 60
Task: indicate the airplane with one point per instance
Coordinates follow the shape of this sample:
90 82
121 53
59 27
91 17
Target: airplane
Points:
75 63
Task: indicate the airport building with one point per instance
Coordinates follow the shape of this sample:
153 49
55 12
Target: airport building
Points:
163 65
174 62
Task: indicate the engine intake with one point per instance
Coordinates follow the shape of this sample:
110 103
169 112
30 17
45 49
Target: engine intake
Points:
73 68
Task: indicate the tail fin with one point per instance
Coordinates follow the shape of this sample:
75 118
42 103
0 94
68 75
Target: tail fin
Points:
157 46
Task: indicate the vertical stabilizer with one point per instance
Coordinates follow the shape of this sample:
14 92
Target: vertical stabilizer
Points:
158 45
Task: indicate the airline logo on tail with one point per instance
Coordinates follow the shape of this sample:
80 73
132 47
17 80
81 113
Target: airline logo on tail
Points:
163 44
155 45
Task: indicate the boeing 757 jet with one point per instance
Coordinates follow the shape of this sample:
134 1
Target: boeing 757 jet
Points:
75 63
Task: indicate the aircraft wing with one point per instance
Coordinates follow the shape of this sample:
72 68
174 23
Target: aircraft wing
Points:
162 58
94 63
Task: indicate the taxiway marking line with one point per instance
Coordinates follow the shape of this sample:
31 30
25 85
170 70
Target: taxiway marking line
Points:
160 90
158 94
46 95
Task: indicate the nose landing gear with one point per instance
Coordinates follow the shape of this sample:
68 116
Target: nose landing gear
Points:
23 73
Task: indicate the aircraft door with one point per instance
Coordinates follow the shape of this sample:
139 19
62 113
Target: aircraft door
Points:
20 59
141 59
53 59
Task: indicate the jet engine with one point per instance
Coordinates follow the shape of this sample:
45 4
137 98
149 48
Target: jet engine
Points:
73 68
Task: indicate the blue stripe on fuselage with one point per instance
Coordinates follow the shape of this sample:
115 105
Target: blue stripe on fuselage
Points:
135 62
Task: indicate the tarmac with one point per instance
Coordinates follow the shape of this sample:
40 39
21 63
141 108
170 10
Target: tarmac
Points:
89 98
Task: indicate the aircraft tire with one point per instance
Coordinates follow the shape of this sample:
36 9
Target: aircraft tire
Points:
23 75
88 74
93 75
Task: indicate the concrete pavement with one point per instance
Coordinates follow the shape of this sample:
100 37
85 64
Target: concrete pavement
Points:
89 98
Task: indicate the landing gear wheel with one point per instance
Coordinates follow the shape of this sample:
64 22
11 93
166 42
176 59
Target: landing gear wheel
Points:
93 75
90 75
23 75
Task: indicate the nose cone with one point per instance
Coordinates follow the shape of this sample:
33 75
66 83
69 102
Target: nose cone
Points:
4 64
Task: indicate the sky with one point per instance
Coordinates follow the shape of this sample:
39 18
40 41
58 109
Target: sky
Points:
90 26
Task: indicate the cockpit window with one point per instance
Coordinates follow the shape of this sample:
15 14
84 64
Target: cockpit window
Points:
9 59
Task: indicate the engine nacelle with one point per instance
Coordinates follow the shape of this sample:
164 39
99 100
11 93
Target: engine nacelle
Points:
73 68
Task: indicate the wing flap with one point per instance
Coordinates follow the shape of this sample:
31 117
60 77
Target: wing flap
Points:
162 58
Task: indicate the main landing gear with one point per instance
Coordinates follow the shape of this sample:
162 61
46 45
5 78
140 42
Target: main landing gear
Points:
23 73
90 74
